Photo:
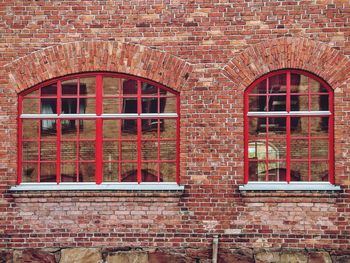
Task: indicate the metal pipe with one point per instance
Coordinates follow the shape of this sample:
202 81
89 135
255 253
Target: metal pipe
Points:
215 248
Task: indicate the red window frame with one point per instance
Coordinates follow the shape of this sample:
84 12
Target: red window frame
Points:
288 114
99 117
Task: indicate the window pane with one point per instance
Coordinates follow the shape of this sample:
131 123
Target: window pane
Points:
130 105
149 105
88 86
319 103
30 129
128 172
50 90
87 129
111 129
30 106
112 86
299 83
319 126
69 128
277 172
315 86
257 103
110 151
48 129
150 128
68 172
257 150
299 103
129 87
319 171
277 125
111 105
277 84
149 172
68 151
259 88
299 171
69 106
86 150
47 172
319 149
277 149
149 150
299 126
148 89
87 172
299 149
48 151
168 172
29 172
110 172
129 150
69 87
48 106
277 103
88 106
168 150
168 105
30 151
168 129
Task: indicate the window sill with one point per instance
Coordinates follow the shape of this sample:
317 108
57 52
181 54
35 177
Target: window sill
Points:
292 186
98 187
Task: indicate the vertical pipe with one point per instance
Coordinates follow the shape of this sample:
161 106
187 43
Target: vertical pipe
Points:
215 248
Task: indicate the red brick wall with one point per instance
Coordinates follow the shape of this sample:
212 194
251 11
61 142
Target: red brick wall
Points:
210 52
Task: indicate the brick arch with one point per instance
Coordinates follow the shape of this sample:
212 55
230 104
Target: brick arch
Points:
77 57
288 52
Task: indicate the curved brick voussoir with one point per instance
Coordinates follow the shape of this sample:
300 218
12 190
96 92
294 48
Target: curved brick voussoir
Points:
288 52
60 60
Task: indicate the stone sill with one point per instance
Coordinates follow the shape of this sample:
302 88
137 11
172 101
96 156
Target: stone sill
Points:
93 190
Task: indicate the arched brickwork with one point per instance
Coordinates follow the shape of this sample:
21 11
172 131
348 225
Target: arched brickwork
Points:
288 52
76 57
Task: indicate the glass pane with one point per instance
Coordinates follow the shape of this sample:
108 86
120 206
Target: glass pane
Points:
88 86
319 126
319 149
130 105
87 129
260 88
168 150
48 106
86 150
149 150
319 171
48 129
48 151
277 149
68 129
34 93
87 172
277 172
148 89
277 103
319 103
277 84
256 125
150 128
130 87
149 172
129 126
111 129
112 86
30 151
299 126
69 87
30 129
276 126
256 150
255 168
299 83
48 172
88 106
50 90
168 129
149 105
257 103
110 172
29 172
69 106
111 105
168 105
30 106
68 172
129 172
299 149
168 172
315 86
110 151
129 150
299 103
128 135
299 171
68 151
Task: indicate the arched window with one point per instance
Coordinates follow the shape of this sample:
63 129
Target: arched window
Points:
289 128
100 128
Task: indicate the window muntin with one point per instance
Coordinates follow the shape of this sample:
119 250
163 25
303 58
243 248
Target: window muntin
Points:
73 130
289 128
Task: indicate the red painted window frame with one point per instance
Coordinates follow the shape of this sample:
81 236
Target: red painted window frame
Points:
99 124
288 73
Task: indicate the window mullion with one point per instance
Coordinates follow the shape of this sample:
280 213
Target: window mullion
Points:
139 131
99 131
58 132
20 142
288 128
